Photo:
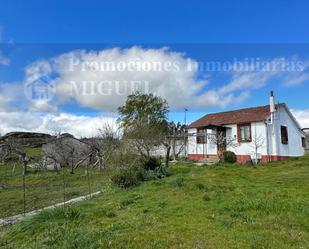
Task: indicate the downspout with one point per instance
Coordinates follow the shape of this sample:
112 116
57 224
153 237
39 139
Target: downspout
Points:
267 142
204 154
206 141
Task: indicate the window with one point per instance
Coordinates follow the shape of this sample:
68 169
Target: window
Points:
303 142
201 136
284 135
244 133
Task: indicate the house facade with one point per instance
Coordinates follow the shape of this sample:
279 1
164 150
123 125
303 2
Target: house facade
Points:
264 133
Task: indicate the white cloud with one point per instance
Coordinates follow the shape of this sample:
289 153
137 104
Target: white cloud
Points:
113 86
169 77
302 116
290 72
3 103
297 79
77 125
42 106
6 97
37 70
246 81
109 75
11 96
3 59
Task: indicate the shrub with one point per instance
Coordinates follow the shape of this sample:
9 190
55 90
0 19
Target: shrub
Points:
161 172
133 175
152 163
128 177
150 175
229 157
157 173
178 182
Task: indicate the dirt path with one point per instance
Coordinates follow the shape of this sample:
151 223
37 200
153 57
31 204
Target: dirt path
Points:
13 219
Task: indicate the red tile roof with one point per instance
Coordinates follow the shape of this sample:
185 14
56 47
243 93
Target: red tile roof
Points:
253 114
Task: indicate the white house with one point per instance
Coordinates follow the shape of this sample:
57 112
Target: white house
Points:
266 132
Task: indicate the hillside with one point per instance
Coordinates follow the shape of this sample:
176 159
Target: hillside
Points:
195 207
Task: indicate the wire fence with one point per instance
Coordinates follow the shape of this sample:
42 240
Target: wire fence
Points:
36 189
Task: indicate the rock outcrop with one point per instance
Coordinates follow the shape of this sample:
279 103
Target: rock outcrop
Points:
26 139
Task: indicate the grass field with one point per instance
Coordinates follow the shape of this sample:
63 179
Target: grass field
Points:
43 188
196 207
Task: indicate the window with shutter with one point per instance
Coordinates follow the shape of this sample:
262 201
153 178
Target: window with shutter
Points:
244 133
303 142
284 135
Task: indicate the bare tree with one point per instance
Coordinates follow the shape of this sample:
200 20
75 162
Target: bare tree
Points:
145 138
12 150
104 144
257 143
174 140
66 151
223 141
179 137
168 141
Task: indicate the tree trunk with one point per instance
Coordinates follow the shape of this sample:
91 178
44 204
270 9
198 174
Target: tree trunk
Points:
100 164
24 160
167 156
174 146
24 167
148 154
72 167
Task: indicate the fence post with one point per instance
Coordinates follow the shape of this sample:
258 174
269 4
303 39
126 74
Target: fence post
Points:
63 185
24 191
88 179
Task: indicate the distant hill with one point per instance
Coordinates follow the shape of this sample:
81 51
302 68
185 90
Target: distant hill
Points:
26 139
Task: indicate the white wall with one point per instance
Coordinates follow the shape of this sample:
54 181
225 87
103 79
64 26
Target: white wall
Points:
294 146
258 129
258 133
161 150
195 148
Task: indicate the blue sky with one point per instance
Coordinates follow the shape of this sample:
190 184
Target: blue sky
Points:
155 21
35 34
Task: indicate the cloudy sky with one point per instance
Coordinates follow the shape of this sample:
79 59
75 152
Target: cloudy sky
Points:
67 68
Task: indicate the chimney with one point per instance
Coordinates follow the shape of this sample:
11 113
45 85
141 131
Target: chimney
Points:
272 102
272 107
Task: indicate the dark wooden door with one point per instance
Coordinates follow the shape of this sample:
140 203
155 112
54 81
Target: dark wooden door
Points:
221 139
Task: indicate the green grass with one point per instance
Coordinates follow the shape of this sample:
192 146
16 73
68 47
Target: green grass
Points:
33 152
195 207
43 188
